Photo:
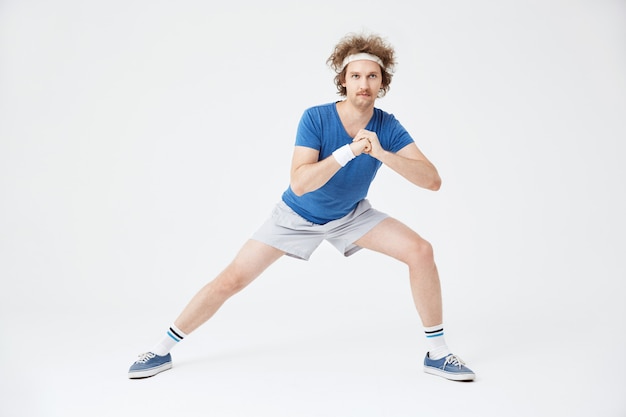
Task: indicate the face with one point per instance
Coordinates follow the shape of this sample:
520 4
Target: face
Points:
363 81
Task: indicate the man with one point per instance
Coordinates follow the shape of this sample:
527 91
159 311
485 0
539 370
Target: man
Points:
339 148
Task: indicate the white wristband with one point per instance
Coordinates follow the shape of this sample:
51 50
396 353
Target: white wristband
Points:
344 155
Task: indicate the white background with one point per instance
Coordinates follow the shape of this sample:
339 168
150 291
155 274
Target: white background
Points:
141 143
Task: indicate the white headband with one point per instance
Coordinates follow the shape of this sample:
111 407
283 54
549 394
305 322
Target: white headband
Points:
361 56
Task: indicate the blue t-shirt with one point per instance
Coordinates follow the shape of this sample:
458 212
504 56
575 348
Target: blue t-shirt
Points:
320 128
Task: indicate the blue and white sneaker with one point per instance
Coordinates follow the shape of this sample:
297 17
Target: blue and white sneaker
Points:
149 364
450 367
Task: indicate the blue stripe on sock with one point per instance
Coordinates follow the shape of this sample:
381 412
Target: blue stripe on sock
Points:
434 335
172 336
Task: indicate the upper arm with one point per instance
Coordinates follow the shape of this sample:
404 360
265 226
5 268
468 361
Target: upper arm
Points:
303 155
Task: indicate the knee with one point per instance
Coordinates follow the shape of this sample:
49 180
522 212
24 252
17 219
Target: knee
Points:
420 253
230 282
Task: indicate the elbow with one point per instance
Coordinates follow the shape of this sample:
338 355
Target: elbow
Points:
435 184
298 190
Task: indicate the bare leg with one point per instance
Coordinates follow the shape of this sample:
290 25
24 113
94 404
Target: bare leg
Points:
253 258
397 240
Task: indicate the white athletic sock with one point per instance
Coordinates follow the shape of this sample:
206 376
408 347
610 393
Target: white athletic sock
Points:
171 338
437 347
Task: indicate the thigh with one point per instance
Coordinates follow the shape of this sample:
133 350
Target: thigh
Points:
393 238
252 259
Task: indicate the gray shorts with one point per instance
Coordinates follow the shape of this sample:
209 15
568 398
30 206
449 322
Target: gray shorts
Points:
298 237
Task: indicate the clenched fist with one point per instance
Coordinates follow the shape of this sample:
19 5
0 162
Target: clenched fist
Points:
371 145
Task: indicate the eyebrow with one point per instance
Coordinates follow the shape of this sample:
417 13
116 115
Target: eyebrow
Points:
359 73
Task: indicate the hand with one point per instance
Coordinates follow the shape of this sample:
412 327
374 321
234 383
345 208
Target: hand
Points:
360 146
373 146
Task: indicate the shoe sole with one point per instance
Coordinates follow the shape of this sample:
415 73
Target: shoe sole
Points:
146 373
454 376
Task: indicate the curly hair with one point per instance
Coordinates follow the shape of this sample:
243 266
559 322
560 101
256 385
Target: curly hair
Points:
354 44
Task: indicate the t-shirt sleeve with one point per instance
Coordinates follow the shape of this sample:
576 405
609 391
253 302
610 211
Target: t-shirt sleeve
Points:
398 135
308 133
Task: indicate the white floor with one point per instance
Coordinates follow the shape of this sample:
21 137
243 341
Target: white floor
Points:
327 350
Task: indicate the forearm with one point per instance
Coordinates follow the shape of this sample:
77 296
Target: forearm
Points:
419 172
310 177
308 174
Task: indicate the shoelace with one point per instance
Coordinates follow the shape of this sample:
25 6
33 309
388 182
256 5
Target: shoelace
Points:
145 357
453 360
